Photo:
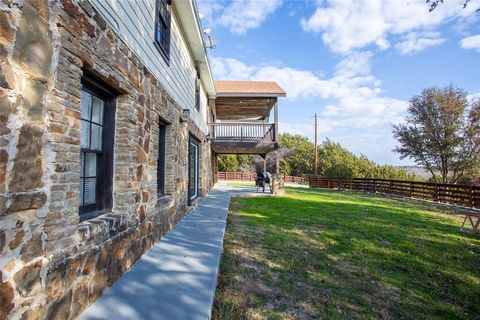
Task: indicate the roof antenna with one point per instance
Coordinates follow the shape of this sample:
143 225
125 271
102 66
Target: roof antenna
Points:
210 43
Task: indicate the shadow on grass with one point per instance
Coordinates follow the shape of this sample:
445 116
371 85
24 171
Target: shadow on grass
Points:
337 255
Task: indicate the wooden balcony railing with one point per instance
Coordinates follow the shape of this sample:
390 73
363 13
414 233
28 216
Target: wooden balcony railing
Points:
243 131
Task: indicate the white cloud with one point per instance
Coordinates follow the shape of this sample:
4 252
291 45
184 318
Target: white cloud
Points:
417 41
298 83
305 129
240 15
345 26
356 97
354 64
208 9
472 42
349 25
231 69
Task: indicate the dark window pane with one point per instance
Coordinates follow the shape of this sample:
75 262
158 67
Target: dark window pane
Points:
162 35
82 163
90 165
162 28
197 92
96 138
85 105
97 110
159 34
81 191
90 190
193 153
161 159
162 10
85 135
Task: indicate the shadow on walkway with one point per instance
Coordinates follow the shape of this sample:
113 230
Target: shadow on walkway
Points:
176 278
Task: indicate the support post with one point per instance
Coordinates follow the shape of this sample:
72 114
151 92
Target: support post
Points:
265 162
275 137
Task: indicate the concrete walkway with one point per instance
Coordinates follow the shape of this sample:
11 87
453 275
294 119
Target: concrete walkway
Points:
176 278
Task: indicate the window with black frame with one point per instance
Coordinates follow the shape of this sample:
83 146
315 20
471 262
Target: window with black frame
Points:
96 156
162 140
162 27
193 168
197 92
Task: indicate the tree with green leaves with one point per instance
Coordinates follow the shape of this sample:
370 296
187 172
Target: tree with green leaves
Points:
234 163
337 162
296 155
227 163
340 171
299 158
441 133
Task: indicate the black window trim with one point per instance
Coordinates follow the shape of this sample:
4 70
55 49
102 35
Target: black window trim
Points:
165 52
161 160
195 141
104 186
197 90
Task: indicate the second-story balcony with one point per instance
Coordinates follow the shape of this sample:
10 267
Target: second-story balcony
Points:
242 110
243 137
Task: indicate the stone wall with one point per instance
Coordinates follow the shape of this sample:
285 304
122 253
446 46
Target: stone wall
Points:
53 266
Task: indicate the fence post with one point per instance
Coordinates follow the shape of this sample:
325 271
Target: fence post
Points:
472 199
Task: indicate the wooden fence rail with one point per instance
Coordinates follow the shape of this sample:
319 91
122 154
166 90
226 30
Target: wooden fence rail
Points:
250 176
460 195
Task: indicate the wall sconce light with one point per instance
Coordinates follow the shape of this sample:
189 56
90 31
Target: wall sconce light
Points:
208 137
185 115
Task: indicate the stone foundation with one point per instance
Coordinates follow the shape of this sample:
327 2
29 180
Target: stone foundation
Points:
52 266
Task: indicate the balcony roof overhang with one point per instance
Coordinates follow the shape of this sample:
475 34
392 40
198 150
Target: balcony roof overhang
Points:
246 100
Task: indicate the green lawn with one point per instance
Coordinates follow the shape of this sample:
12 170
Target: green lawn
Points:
316 254
252 184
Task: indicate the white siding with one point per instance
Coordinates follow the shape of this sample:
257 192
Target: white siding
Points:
134 21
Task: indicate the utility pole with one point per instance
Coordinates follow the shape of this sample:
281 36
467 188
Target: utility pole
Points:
315 166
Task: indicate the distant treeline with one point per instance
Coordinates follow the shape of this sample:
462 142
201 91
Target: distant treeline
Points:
297 157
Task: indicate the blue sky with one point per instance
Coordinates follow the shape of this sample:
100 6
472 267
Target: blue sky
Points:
355 63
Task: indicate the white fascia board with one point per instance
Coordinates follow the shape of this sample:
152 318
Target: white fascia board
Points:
250 95
190 22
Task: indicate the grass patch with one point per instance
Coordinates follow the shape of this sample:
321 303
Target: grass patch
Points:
318 254
252 184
